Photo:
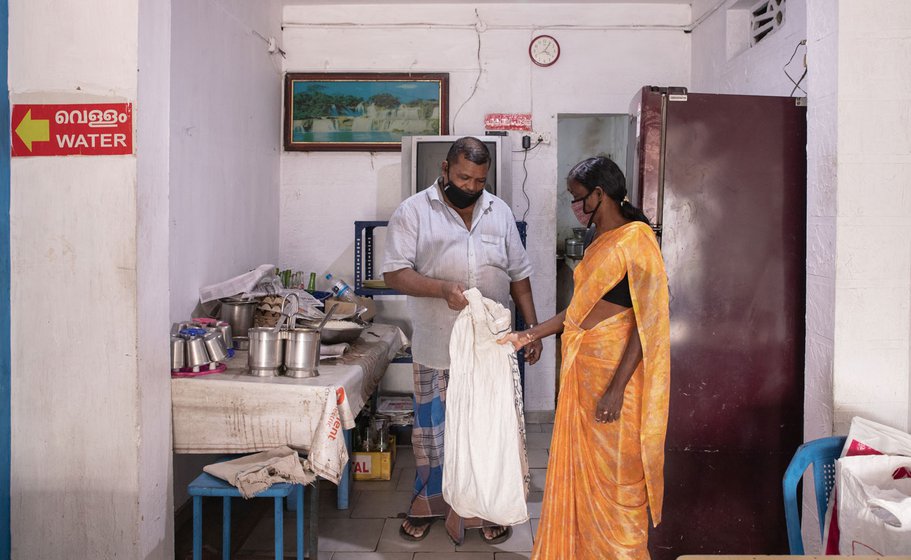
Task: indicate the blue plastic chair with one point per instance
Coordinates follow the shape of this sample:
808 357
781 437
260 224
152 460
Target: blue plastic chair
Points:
821 453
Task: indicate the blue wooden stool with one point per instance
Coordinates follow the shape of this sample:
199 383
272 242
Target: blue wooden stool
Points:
208 485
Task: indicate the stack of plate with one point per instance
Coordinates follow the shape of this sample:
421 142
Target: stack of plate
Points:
375 284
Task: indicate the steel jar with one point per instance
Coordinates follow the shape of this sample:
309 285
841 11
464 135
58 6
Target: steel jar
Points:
302 353
266 351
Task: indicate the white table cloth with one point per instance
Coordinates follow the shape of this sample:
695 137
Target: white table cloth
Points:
234 412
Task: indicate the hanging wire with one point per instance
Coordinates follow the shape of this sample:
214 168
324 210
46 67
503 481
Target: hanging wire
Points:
525 178
802 76
477 80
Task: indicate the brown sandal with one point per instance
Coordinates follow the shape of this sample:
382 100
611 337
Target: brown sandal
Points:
502 537
416 523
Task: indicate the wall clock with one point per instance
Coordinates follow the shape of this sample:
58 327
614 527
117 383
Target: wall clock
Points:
544 50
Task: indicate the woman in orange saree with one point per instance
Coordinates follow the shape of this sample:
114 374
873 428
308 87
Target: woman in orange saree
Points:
607 453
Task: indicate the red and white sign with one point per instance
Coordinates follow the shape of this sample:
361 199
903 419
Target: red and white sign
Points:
507 121
87 129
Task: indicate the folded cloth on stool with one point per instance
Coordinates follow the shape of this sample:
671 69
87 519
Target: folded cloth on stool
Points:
255 473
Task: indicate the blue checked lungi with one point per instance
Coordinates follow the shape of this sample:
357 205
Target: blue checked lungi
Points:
427 441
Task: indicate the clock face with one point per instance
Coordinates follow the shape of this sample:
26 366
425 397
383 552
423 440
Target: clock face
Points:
544 50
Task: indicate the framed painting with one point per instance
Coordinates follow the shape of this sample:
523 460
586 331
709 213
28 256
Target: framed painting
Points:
364 112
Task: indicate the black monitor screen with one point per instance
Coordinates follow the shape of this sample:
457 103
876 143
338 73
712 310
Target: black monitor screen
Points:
430 155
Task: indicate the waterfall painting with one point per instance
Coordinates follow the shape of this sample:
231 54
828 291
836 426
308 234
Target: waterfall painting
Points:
369 112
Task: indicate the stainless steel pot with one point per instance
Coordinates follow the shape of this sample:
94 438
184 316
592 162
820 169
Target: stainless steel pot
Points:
573 248
239 314
266 351
302 353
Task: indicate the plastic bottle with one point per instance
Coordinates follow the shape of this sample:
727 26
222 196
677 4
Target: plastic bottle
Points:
341 290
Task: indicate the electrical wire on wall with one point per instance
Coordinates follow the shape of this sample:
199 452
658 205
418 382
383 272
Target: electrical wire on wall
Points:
802 76
525 150
479 25
271 44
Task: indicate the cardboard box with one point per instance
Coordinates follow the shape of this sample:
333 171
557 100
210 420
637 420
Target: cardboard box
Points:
374 465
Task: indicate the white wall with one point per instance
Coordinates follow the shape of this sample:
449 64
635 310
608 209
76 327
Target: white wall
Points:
822 209
156 537
225 143
873 263
224 154
757 70
80 356
603 62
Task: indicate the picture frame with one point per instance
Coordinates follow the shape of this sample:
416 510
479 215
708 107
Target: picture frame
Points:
362 111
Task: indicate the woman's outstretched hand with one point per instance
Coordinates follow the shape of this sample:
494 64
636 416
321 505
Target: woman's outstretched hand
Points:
518 339
525 340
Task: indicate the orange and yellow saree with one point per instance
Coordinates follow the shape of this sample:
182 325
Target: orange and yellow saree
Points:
602 476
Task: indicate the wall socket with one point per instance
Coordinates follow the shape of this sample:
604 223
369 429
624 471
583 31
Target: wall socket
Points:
540 138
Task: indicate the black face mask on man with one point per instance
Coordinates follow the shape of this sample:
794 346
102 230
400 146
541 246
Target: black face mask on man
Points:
459 198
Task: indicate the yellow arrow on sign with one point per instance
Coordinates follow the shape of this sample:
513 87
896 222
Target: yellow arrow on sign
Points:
33 131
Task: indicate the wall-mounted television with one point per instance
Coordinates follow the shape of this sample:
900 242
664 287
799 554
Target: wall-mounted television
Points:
422 157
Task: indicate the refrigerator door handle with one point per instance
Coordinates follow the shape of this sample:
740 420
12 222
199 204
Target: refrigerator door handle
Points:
659 214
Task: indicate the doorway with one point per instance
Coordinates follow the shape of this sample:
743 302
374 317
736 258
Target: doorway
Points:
580 137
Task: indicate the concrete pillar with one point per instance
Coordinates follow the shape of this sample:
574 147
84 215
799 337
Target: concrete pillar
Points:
90 460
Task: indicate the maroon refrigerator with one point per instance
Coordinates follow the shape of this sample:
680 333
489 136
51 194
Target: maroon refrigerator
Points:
723 178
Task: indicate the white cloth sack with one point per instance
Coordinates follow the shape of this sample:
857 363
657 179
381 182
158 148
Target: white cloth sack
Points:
255 473
485 469
874 505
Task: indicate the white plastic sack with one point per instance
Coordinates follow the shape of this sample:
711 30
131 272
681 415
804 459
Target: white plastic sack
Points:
485 470
865 437
874 505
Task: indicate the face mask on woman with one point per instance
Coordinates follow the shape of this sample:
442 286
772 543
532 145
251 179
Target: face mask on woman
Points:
578 206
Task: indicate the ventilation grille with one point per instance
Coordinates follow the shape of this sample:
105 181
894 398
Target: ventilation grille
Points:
766 17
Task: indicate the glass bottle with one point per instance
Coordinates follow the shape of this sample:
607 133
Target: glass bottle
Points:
311 285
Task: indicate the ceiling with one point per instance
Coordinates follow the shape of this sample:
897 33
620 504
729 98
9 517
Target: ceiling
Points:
324 2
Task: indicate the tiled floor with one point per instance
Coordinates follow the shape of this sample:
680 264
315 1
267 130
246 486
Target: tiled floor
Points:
369 529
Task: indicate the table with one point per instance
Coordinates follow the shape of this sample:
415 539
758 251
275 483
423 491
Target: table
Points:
234 412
